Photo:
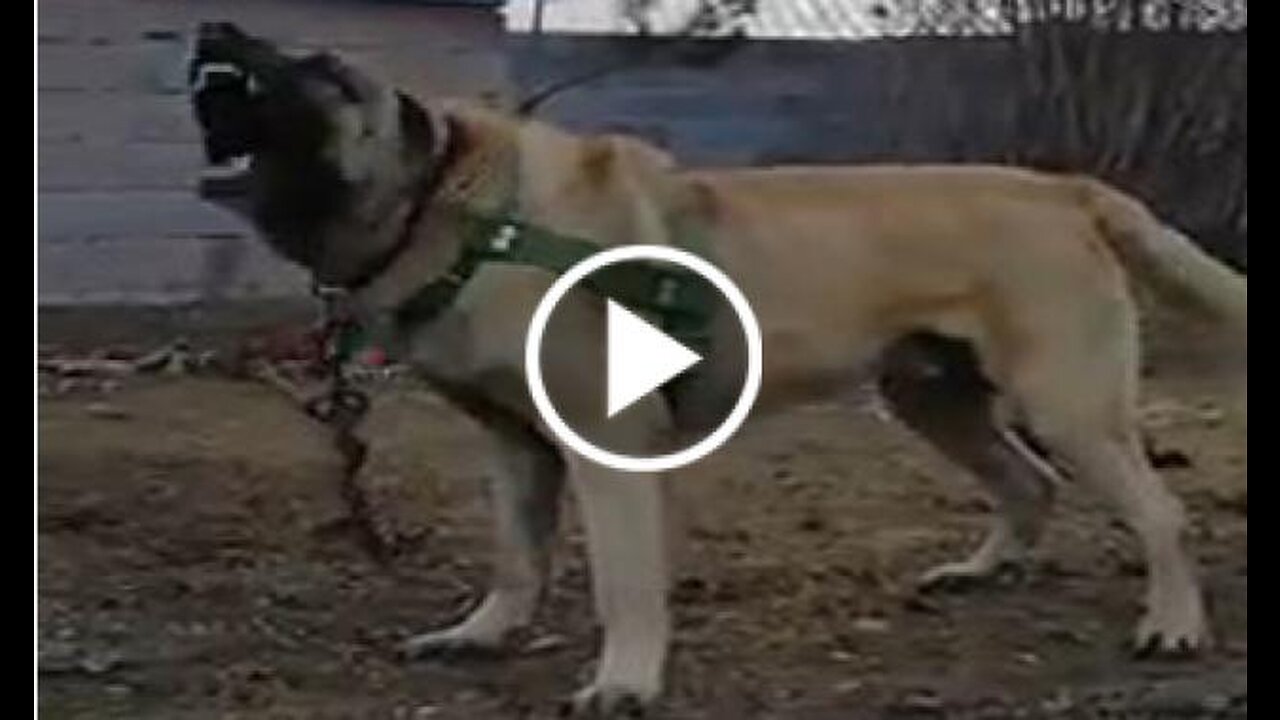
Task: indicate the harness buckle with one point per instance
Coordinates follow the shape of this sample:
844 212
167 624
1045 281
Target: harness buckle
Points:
504 238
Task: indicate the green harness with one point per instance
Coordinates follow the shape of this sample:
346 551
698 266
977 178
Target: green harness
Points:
677 300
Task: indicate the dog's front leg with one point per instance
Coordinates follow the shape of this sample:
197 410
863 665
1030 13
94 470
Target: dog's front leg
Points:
622 514
525 489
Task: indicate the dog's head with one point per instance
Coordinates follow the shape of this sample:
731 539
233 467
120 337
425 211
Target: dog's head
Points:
300 144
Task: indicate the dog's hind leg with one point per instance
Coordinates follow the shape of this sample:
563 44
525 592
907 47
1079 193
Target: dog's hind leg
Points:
935 386
1078 387
525 487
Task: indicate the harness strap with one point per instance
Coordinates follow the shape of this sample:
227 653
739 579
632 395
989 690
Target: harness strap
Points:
680 301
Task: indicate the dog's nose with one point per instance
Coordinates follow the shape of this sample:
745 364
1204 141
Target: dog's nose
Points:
218 40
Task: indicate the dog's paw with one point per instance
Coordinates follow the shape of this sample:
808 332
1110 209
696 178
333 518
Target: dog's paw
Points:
608 701
954 577
1172 631
450 644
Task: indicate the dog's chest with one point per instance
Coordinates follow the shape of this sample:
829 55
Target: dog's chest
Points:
480 334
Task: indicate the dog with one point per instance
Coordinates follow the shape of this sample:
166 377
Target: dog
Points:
994 302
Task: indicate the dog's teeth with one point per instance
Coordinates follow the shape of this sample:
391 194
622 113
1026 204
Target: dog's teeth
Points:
232 167
211 69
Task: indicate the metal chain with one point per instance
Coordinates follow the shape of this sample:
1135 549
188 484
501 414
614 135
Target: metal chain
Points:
342 407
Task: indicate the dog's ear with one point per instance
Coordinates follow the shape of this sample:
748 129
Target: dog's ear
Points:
415 125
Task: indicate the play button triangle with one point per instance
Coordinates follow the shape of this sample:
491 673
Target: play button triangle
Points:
641 358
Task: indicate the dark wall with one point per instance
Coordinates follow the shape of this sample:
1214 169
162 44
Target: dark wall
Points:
1162 115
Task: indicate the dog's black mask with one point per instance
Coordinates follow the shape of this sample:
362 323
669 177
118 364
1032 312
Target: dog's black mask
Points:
266 120
226 110
269 124
229 75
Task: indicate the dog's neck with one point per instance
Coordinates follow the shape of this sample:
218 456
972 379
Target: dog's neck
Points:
479 172
412 203
484 174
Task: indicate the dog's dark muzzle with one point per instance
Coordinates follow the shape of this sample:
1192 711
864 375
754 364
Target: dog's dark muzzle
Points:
225 109
228 72
224 106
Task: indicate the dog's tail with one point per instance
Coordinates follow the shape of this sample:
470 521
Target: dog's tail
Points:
1165 258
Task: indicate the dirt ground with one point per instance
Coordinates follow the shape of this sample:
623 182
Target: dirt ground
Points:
189 568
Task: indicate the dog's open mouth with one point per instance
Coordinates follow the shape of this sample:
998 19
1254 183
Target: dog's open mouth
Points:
225 110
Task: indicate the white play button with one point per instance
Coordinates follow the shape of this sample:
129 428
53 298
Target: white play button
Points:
641 358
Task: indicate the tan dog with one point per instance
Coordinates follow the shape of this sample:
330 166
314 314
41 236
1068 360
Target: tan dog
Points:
1014 284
